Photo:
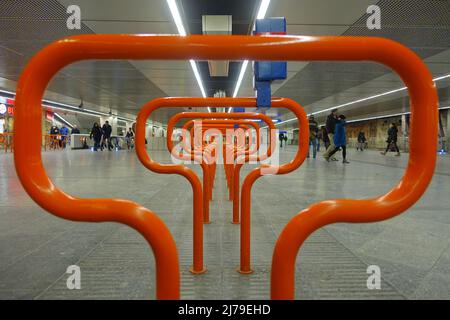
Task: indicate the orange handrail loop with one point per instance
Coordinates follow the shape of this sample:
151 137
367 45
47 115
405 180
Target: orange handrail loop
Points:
418 174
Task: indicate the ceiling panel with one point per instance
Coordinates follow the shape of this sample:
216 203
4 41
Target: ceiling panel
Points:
124 86
421 25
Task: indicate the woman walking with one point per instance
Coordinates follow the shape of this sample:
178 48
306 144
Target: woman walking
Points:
97 133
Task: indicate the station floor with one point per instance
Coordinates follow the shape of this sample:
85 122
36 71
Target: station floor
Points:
412 250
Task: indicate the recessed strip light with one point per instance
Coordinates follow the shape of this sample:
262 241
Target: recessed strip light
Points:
240 78
263 9
364 99
182 32
48 104
197 76
63 120
176 17
388 116
359 100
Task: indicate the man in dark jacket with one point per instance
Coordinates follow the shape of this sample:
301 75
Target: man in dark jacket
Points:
281 138
313 135
392 139
107 129
361 141
330 125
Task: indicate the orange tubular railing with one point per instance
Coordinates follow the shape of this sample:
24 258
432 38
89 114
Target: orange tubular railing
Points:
146 111
234 118
222 126
43 66
300 156
219 124
422 158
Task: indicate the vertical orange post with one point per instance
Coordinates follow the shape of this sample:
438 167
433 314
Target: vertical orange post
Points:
302 122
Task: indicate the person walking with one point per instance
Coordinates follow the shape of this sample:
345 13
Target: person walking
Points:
96 133
313 132
324 137
361 141
392 139
330 125
340 139
107 129
129 138
54 137
64 131
281 138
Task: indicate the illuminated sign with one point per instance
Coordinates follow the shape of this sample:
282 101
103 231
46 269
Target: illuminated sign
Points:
49 115
6 106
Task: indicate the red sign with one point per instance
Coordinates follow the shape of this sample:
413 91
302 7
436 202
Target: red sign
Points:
49 115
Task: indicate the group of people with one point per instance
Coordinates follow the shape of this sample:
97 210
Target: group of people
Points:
59 136
102 137
334 137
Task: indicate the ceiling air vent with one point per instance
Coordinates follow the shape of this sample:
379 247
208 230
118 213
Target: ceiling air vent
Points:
217 24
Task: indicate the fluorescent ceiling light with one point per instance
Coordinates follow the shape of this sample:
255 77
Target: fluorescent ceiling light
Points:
48 104
182 32
368 118
263 9
63 120
176 17
365 99
241 76
197 76
359 100
260 15
388 116
442 77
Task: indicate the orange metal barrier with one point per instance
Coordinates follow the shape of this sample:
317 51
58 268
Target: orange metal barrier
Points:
43 66
421 164
144 157
216 123
224 125
233 119
146 110
53 141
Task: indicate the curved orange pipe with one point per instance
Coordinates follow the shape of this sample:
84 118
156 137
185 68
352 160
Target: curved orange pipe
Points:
422 159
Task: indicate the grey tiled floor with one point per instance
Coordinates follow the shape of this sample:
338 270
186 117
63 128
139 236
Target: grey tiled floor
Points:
412 250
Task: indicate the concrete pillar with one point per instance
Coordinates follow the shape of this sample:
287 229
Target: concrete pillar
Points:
447 131
405 133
